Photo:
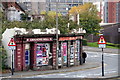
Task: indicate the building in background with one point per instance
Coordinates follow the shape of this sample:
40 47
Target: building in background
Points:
36 7
112 12
33 7
109 12
110 32
12 11
64 5
118 12
100 8
26 4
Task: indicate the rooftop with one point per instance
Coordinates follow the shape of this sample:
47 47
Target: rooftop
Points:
107 24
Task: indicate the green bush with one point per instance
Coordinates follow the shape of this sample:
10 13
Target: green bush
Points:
84 42
3 56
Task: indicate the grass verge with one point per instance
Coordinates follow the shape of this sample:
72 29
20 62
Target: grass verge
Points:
108 45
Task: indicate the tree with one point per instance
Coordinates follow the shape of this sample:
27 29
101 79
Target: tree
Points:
48 22
89 20
3 57
1 16
24 16
50 13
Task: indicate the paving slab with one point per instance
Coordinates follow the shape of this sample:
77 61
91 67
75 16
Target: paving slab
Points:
62 70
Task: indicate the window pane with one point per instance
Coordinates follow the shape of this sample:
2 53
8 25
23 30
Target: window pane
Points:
62 1
26 57
53 0
76 1
70 1
27 52
80 0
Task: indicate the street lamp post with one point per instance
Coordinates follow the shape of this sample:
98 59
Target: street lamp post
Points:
57 45
80 54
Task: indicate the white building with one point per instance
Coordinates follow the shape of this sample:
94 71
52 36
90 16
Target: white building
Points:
13 14
6 36
100 8
12 11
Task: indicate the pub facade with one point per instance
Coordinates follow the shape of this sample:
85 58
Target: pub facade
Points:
39 51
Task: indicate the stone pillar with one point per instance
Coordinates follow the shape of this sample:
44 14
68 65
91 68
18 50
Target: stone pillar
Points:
81 50
34 65
74 53
68 54
61 55
55 66
18 59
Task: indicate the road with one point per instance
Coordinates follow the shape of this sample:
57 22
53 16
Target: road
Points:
110 62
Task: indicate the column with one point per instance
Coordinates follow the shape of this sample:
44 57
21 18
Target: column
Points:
68 55
54 55
18 60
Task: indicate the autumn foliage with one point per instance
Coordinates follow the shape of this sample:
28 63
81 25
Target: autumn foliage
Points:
89 19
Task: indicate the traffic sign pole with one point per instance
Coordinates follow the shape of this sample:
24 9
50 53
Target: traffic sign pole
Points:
102 44
102 63
12 47
12 63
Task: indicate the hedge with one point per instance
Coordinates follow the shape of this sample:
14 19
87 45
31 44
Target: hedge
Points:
84 42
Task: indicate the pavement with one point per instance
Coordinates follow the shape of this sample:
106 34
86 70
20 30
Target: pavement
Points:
106 50
90 65
63 70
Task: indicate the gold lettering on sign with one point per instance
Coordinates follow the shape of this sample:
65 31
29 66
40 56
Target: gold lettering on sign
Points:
39 39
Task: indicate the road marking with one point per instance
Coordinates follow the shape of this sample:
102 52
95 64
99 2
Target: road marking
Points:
60 72
101 52
42 74
21 76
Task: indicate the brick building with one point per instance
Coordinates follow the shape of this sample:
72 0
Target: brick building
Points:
112 12
110 32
